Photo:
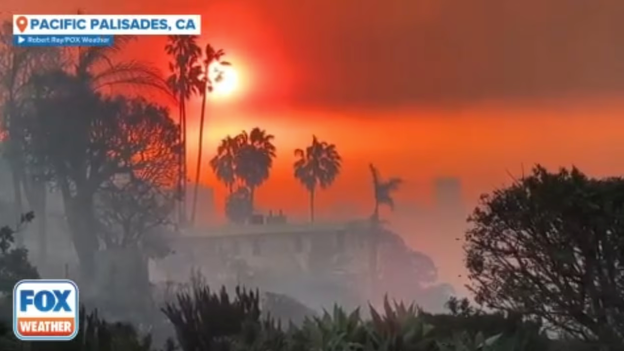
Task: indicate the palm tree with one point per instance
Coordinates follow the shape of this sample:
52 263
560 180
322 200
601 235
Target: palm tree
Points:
317 166
238 207
383 191
223 164
211 57
254 158
184 82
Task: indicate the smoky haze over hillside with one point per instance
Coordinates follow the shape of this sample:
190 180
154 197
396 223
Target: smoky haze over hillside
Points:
272 256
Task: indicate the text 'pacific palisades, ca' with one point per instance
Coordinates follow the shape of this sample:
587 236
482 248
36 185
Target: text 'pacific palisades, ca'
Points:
96 30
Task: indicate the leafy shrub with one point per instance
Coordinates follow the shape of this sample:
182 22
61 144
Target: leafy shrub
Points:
204 320
97 334
284 308
400 328
337 330
466 319
209 321
94 334
14 264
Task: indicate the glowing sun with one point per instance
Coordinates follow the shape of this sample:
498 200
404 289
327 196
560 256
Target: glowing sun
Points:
224 78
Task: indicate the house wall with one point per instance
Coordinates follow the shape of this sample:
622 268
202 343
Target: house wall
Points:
283 254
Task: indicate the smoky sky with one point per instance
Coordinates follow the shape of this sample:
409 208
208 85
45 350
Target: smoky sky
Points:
379 54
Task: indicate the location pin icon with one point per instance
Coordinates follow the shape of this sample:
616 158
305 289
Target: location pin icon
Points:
22 23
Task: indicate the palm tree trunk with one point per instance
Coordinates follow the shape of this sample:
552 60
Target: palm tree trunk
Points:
35 191
81 221
199 156
17 201
184 170
40 192
180 158
376 213
312 205
16 164
373 264
252 198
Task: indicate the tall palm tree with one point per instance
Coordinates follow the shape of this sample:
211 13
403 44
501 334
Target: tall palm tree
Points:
212 75
317 166
184 81
223 164
383 191
254 158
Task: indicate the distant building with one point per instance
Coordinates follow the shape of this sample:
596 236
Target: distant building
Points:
206 211
447 194
272 254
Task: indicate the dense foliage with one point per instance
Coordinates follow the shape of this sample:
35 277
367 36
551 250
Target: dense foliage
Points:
14 264
397 327
551 246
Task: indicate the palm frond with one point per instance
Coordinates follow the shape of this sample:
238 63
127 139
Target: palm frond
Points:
299 153
393 184
131 74
317 164
384 188
374 174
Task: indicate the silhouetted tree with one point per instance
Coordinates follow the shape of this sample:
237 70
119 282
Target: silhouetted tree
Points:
136 205
17 65
383 190
212 75
223 164
184 81
14 261
551 246
317 166
135 215
79 134
462 318
135 209
254 159
71 127
238 207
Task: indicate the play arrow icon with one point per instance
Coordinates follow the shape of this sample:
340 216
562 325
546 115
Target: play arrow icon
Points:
20 40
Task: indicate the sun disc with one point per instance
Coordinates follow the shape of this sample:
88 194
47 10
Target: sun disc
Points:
225 80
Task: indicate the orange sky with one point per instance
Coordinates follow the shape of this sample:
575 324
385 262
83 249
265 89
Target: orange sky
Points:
421 88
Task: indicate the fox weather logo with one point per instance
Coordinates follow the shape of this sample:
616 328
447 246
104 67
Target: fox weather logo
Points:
45 310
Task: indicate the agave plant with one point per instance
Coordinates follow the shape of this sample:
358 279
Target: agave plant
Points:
336 331
205 320
399 328
264 335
